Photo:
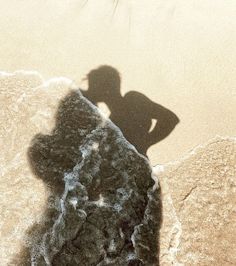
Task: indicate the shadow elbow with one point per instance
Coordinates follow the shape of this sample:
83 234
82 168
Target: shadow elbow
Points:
177 121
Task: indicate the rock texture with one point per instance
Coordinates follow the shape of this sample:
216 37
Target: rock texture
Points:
99 204
199 213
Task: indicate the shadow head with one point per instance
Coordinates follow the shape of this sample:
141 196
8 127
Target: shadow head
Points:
104 82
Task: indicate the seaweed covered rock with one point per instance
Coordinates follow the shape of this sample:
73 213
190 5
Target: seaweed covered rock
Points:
104 206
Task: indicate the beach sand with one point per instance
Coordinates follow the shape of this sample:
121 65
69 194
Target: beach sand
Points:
180 54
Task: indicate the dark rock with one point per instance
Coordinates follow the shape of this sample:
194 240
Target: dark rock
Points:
104 206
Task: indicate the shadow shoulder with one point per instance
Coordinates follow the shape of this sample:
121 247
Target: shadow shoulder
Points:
137 96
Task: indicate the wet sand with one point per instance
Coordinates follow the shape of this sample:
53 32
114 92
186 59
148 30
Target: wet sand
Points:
179 54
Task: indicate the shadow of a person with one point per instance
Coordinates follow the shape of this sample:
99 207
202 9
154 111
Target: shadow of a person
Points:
133 113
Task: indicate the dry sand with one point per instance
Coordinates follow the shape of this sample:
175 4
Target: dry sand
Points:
180 54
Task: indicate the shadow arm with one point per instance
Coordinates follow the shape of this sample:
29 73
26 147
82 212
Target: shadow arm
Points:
166 122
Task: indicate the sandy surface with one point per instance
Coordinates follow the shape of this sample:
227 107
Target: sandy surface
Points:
180 54
198 196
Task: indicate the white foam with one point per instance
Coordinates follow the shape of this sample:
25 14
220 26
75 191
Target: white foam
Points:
100 202
58 81
22 73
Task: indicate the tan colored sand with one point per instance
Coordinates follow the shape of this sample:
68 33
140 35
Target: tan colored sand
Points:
199 197
180 54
